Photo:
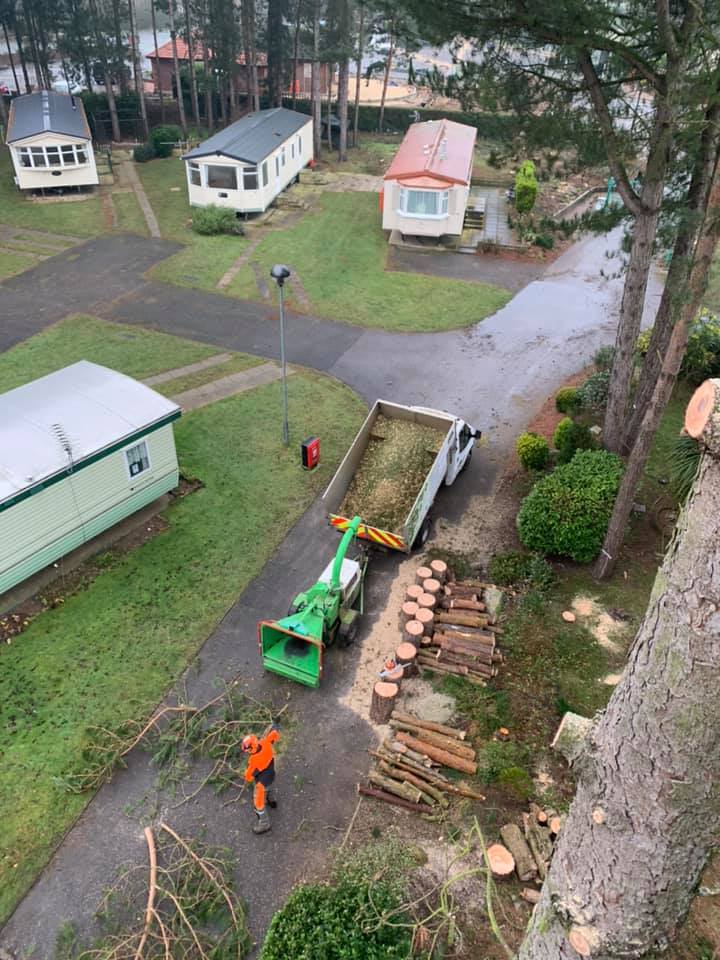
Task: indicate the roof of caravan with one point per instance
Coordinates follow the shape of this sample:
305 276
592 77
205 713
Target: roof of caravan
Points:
69 416
253 137
47 112
438 149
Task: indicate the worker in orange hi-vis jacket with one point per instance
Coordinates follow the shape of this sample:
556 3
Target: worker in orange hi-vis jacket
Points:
261 771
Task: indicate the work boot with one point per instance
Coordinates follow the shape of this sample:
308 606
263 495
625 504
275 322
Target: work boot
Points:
263 821
271 798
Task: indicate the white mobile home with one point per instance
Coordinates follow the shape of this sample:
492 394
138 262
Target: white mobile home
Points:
50 142
80 449
246 165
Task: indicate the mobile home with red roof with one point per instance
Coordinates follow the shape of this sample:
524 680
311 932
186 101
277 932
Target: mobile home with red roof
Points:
427 184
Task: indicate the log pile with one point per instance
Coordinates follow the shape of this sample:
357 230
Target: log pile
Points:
531 847
407 771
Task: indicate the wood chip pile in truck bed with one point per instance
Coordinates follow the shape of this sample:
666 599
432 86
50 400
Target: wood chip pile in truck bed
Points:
391 473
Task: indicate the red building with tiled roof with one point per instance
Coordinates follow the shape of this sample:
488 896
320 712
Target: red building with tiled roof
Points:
428 182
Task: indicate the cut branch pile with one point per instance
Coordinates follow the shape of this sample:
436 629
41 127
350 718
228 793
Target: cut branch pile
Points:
407 770
173 734
182 905
531 848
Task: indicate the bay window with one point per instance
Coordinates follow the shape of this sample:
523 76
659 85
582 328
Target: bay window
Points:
53 155
221 178
423 203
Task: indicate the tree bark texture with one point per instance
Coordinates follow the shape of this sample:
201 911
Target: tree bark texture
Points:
159 72
646 812
296 51
358 74
23 61
10 58
386 77
192 78
677 278
701 261
137 70
342 102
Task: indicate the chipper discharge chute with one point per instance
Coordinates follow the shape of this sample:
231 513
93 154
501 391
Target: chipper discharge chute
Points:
293 646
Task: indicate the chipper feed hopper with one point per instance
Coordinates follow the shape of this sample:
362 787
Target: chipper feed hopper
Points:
293 646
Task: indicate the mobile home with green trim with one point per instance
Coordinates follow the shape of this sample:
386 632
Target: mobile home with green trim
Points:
80 450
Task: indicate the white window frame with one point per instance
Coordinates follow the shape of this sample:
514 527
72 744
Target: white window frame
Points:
221 166
442 205
35 152
248 172
126 453
299 145
265 178
282 155
195 168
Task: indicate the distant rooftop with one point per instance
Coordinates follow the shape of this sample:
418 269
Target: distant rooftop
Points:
68 416
47 112
165 52
253 137
437 149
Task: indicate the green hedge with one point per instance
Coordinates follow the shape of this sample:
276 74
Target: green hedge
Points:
567 513
532 450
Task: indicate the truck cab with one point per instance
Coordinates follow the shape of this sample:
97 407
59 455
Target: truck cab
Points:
460 446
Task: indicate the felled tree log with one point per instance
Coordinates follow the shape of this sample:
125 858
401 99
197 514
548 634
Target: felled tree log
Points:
427 619
515 842
444 669
462 603
427 600
408 611
433 587
436 739
500 861
383 700
538 839
389 798
403 790
452 589
439 570
475 651
422 574
403 749
444 757
429 725
477 584
413 592
413 632
430 793
406 655
702 417
460 619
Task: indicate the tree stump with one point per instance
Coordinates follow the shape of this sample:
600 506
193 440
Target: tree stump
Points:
433 587
427 600
395 676
702 417
413 631
502 862
422 574
408 611
414 592
439 570
427 619
406 656
383 700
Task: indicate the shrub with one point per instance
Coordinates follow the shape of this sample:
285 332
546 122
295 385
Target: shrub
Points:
526 187
532 450
593 393
566 400
143 152
498 758
212 220
163 138
545 241
521 569
518 782
604 357
566 514
702 356
340 920
570 437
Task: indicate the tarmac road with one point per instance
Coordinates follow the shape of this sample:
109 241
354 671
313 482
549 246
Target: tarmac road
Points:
495 374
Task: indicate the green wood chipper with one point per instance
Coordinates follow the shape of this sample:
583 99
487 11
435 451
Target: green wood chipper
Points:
328 611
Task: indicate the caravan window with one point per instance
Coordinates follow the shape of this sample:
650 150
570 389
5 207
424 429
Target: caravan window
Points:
222 178
265 173
195 174
250 178
138 459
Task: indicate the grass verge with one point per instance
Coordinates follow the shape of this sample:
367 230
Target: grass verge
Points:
111 651
12 263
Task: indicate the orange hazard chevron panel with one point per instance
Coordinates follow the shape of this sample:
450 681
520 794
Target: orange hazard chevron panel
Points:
382 537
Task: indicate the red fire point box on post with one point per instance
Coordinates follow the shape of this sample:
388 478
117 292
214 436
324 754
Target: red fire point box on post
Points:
310 452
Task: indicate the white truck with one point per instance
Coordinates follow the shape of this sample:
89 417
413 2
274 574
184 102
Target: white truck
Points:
455 448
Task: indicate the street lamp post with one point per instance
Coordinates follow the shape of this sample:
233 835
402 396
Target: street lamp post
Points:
280 273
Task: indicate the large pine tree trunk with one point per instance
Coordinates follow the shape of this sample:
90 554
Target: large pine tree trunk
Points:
137 70
209 85
386 77
192 78
296 52
118 64
677 278
10 58
645 816
316 100
633 299
683 316
21 55
176 68
342 105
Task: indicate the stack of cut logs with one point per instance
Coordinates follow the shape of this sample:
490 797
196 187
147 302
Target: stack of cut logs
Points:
527 852
446 630
407 770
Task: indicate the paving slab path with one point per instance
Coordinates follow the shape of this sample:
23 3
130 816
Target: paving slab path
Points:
496 374
229 386
131 176
189 368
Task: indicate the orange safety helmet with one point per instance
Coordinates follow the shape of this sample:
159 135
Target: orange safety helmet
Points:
250 743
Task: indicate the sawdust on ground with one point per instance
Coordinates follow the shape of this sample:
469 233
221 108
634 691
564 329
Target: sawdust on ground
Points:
612 679
416 696
607 631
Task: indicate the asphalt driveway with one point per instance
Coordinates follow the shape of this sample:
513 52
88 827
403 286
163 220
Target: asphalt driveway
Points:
495 374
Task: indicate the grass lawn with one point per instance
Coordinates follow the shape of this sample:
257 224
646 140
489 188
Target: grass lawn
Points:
339 252
130 218
12 263
112 650
79 218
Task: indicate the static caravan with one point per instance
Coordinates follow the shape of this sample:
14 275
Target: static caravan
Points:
80 449
427 185
246 165
50 142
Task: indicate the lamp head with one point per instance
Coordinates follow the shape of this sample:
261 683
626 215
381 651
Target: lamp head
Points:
279 273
